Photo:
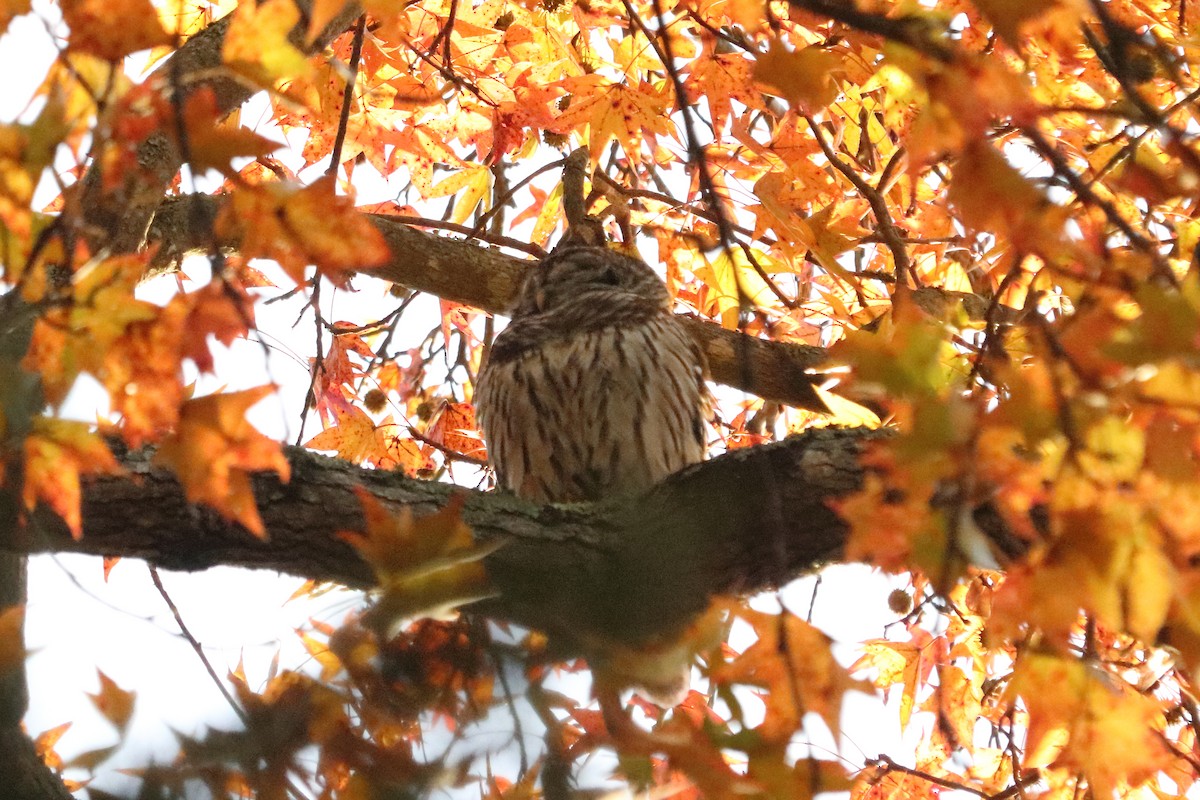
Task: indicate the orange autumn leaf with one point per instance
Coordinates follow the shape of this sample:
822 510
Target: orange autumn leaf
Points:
302 226
222 312
804 77
354 438
1087 722
720 79
112 29
131 346
12 639
213 143
1012 17
109 563
455 429
357 439
904 664
9 9
426 565
214 451
105 305
57 454
991 194
114 703
45 742
628 113
141 371
395 543
793 663
257 45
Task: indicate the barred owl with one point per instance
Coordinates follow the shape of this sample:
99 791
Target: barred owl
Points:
594 389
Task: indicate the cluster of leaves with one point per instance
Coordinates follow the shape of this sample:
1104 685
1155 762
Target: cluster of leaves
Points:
986 209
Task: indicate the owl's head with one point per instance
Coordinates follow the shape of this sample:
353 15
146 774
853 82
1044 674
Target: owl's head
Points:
573 275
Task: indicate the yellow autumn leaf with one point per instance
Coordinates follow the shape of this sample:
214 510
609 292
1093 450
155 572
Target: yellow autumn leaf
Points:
257 45
1086 721
806 77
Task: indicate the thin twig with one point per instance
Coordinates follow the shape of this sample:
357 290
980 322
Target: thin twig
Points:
187 634
1086 194
891 235
502 241
482 224
335 158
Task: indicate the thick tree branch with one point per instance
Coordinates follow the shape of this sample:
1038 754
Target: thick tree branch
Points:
116 219
630 569
484 278
918 31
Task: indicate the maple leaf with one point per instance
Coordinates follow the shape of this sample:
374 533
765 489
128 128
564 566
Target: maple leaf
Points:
877 783
142 374
218 310
803 77
257 45
733 282
471 185
298 227
807 777
212 144
1085 721
615 111
426 566
357 439
1012 17
11 9
114 703
793 662
455 428
112 29
133 347
214 450
1107 560
721 78
959 698
45 742
104 303
420 149
904 664
57 454
991 194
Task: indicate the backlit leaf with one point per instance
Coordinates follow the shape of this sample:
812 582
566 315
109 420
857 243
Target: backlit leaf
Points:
215 450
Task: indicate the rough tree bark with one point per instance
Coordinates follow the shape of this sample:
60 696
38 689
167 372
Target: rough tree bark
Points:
626 569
